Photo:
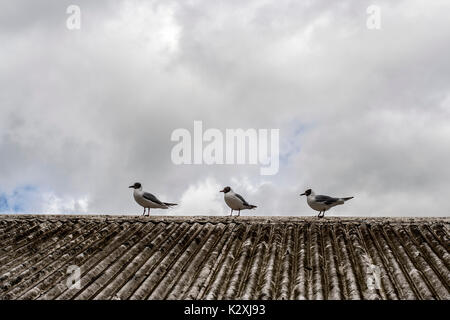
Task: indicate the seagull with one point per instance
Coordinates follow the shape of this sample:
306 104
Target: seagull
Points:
322 203
235 201
148 200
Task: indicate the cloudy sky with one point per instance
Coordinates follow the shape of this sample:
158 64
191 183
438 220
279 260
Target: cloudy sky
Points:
361 112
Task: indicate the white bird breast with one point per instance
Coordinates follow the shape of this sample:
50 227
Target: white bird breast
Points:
146 203
233 202
318 206
315 205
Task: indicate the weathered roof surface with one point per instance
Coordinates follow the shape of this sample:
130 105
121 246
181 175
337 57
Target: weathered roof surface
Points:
224 258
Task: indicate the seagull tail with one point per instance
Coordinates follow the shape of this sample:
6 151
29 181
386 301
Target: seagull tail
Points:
170 204
250 206
348 198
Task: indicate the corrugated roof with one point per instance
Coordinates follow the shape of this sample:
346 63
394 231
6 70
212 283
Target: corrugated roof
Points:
224 258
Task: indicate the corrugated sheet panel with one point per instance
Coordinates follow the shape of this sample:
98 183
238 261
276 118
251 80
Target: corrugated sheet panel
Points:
223 258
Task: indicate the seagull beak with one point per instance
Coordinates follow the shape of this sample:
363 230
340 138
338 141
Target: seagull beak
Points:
303 194
221 191
131 187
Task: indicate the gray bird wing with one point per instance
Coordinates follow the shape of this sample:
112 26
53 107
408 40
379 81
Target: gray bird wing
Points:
325 199
152 198
242 199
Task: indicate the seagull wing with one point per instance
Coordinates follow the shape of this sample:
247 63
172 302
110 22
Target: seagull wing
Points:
242 199
152 198
325 199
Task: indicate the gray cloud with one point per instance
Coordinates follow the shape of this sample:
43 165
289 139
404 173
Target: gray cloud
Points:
360 112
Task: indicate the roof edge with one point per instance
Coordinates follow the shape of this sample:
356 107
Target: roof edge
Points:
217 219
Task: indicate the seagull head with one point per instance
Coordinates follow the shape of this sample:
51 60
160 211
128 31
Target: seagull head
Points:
226 189
136 185
307 192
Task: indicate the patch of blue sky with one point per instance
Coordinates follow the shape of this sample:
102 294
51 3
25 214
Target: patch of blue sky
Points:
291 142
4 206
22 199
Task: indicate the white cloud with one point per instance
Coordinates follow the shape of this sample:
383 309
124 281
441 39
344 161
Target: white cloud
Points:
53 204
146 25
201 198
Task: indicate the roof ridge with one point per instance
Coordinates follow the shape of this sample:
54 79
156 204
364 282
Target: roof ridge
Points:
221 219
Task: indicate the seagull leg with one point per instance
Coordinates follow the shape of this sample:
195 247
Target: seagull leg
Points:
148 212
239 214
231 212
144 212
